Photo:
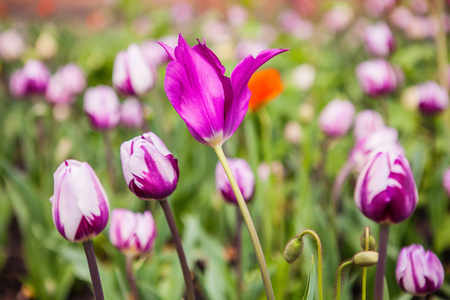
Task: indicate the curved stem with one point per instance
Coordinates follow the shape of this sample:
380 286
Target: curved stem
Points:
364 273
177 242
93 270
339 278
381 265
130 277
319 257
249 222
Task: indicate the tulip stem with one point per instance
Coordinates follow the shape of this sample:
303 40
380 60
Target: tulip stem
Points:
339 278
364 273
385 110
381 264
179 247
93 270
319 257
249 222
238 245
131 278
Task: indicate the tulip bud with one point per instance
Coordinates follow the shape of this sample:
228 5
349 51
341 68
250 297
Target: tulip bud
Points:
446 181
376 77
244 178
150 170
31 79
12 45
132 75
419 272
132 233
367 122
303 76
336 118
379 40
365 259
57 93
432 98
293 250
80 206
385 191
131 113
73 78
102 107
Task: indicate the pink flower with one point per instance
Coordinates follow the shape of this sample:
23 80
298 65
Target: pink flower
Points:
102 107
376 77
336 118
379 40
131 114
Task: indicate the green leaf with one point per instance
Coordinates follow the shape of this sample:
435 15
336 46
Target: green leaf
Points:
311 285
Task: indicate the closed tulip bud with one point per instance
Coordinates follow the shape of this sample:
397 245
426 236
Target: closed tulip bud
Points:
432 98
73 78
132 75
102 107
132 233
385 191
379 40
12 45
367 122
131 113
336 118
365 259
80 206
293 250
150 170
244 178
304 76
32 79
376 77
57 93
419 272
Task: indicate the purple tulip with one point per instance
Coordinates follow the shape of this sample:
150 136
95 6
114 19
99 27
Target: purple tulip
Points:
379 40
211 104
376 77
419 272
102 107
433 98
244 177
367 122
80 206
72 77
132 233
131 114
132 75
336 118
30 80
150 170
385 191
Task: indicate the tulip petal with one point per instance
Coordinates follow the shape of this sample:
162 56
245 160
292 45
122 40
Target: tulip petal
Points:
170 51
141 73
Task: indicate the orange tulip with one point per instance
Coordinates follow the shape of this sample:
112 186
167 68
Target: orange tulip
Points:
265 85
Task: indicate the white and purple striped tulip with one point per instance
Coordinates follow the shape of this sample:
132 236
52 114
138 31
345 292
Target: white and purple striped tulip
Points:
73 78
211 104
385 191
80 205
244 178
57 93
376 77
433 99
379 40
150 170
336 118
131 113
367 122
132 74
419 272
102 107
132 233
32 79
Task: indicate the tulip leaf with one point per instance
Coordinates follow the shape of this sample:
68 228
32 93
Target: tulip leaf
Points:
311 285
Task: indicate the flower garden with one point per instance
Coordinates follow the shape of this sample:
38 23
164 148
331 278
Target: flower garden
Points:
288 150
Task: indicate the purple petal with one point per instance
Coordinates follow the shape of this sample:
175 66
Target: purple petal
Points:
170 51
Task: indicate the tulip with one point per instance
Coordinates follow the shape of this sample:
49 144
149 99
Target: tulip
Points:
132 75
32 79
367 122
154 54
339 17
211 104
385 191
244 177
73 78
401 17
150 170
131 114
376 77
132 233
12 45
419 272
446 181
336 118
57 93
102 107
80 206
265 85
433 98
376 8
304 76
379 40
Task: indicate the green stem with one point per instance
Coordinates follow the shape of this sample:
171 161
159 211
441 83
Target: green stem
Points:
339 278
319 257
93 270
437 7
249 222
364 273
385 110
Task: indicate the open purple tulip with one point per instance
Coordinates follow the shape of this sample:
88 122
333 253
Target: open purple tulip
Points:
385 191
419 272
79 203
211 104
150 170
